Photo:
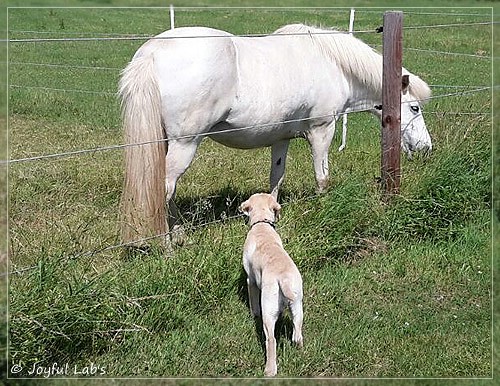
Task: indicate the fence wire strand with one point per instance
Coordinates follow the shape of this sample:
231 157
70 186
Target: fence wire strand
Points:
150 37
73 66
121 146
207 134
70 66
187 37
448 53
109 93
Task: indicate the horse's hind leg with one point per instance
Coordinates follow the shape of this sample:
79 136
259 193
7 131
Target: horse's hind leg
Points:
180 154
278 160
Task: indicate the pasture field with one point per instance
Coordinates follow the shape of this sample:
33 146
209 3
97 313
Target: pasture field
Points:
392 290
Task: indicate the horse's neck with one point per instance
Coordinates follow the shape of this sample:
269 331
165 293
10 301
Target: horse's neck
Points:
358 105
360 99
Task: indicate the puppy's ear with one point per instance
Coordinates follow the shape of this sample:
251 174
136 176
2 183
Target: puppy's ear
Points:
277 211
246 208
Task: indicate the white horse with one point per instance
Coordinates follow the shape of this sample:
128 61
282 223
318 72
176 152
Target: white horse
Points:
243 92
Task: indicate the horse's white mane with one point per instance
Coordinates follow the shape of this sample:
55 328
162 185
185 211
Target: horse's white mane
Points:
354 57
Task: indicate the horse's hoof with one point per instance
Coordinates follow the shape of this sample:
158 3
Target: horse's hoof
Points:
322 185
322 189
270 371
178 235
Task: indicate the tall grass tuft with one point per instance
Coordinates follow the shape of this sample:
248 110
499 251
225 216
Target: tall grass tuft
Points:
454 188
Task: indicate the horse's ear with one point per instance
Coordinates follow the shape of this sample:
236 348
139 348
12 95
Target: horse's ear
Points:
245 207
405 82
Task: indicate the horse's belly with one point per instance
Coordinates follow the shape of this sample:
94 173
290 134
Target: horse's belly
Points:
253 136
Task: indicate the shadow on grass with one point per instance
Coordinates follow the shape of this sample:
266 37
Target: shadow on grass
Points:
199 210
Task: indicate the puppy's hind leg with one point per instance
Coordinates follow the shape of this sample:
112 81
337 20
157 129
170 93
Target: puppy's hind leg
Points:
292 290
297 316
268 322
253 298
270 311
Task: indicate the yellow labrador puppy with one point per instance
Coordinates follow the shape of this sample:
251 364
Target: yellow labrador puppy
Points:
273 279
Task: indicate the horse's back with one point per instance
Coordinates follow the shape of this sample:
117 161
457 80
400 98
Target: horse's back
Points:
196 71
186 49
182 37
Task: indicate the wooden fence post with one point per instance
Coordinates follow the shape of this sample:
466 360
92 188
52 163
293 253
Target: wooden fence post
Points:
391 102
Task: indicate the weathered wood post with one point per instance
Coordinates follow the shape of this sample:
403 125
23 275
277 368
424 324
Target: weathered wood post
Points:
391 102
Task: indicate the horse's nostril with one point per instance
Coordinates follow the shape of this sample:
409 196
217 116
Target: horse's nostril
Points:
424 149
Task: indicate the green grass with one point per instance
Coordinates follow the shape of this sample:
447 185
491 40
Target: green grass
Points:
391 290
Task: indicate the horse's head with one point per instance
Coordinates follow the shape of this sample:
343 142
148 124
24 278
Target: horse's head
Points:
414 134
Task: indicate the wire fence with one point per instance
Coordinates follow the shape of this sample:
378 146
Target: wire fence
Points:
113 94
140 241
211 133
113 247
156 37
80 67
463 90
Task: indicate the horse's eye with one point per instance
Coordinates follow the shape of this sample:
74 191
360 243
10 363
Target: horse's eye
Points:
415 109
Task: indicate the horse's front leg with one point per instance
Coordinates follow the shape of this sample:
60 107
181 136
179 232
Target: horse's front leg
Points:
344 132
320 138
278 160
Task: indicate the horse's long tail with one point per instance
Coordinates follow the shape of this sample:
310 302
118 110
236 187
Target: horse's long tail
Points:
143 197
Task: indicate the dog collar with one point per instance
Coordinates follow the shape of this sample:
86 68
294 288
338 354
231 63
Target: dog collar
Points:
269 222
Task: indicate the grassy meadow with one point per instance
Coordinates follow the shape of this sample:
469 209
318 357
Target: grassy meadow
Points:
392 290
